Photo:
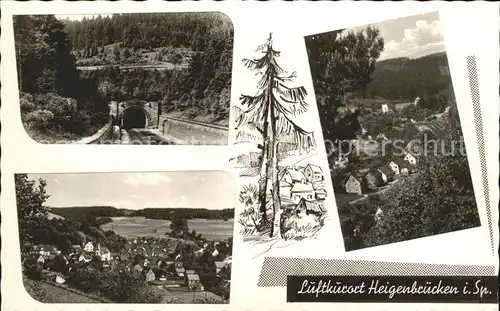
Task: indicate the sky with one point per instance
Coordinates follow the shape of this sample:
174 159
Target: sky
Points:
414 36
196 189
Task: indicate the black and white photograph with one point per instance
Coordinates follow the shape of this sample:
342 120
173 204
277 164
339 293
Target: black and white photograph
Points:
392 131
155 237
137 78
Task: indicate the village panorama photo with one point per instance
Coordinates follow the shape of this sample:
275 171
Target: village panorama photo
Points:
139 78
127 237
392 131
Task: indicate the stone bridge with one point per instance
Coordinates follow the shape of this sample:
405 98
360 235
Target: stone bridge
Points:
134 114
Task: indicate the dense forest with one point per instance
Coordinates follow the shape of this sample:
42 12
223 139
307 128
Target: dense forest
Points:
56 102
62 98
201 42
406 79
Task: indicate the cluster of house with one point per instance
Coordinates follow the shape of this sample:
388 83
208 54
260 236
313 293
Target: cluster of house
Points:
303 189
149 258
360 181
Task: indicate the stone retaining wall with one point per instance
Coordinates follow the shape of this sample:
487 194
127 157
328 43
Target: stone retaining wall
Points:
103 134
194 133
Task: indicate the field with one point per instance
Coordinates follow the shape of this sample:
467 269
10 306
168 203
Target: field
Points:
131 227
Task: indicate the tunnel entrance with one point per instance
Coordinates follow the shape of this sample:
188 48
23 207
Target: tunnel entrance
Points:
134 117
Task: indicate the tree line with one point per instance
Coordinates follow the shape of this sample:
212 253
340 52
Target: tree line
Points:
149 30
91 212
185 213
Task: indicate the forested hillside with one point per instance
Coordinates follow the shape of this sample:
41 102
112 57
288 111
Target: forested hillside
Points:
197 46
81 212
405 79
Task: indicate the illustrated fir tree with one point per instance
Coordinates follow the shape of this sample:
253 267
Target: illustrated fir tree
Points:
271 112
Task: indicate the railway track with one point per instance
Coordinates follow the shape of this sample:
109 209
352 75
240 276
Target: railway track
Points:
121 136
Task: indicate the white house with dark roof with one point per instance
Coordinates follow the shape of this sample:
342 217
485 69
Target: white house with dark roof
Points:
89 247
85 258
313 173
105 254
394 167
387 173
302 190
408 157
399 166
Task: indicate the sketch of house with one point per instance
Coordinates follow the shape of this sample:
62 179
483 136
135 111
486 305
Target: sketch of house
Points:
291 175
313 173
320 194
354 184
302 190
309 207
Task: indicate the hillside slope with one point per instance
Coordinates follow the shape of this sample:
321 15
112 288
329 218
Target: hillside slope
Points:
406 79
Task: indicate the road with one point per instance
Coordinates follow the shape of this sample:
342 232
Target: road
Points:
121 136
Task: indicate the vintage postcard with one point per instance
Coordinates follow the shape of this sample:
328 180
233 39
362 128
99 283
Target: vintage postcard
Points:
272 155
